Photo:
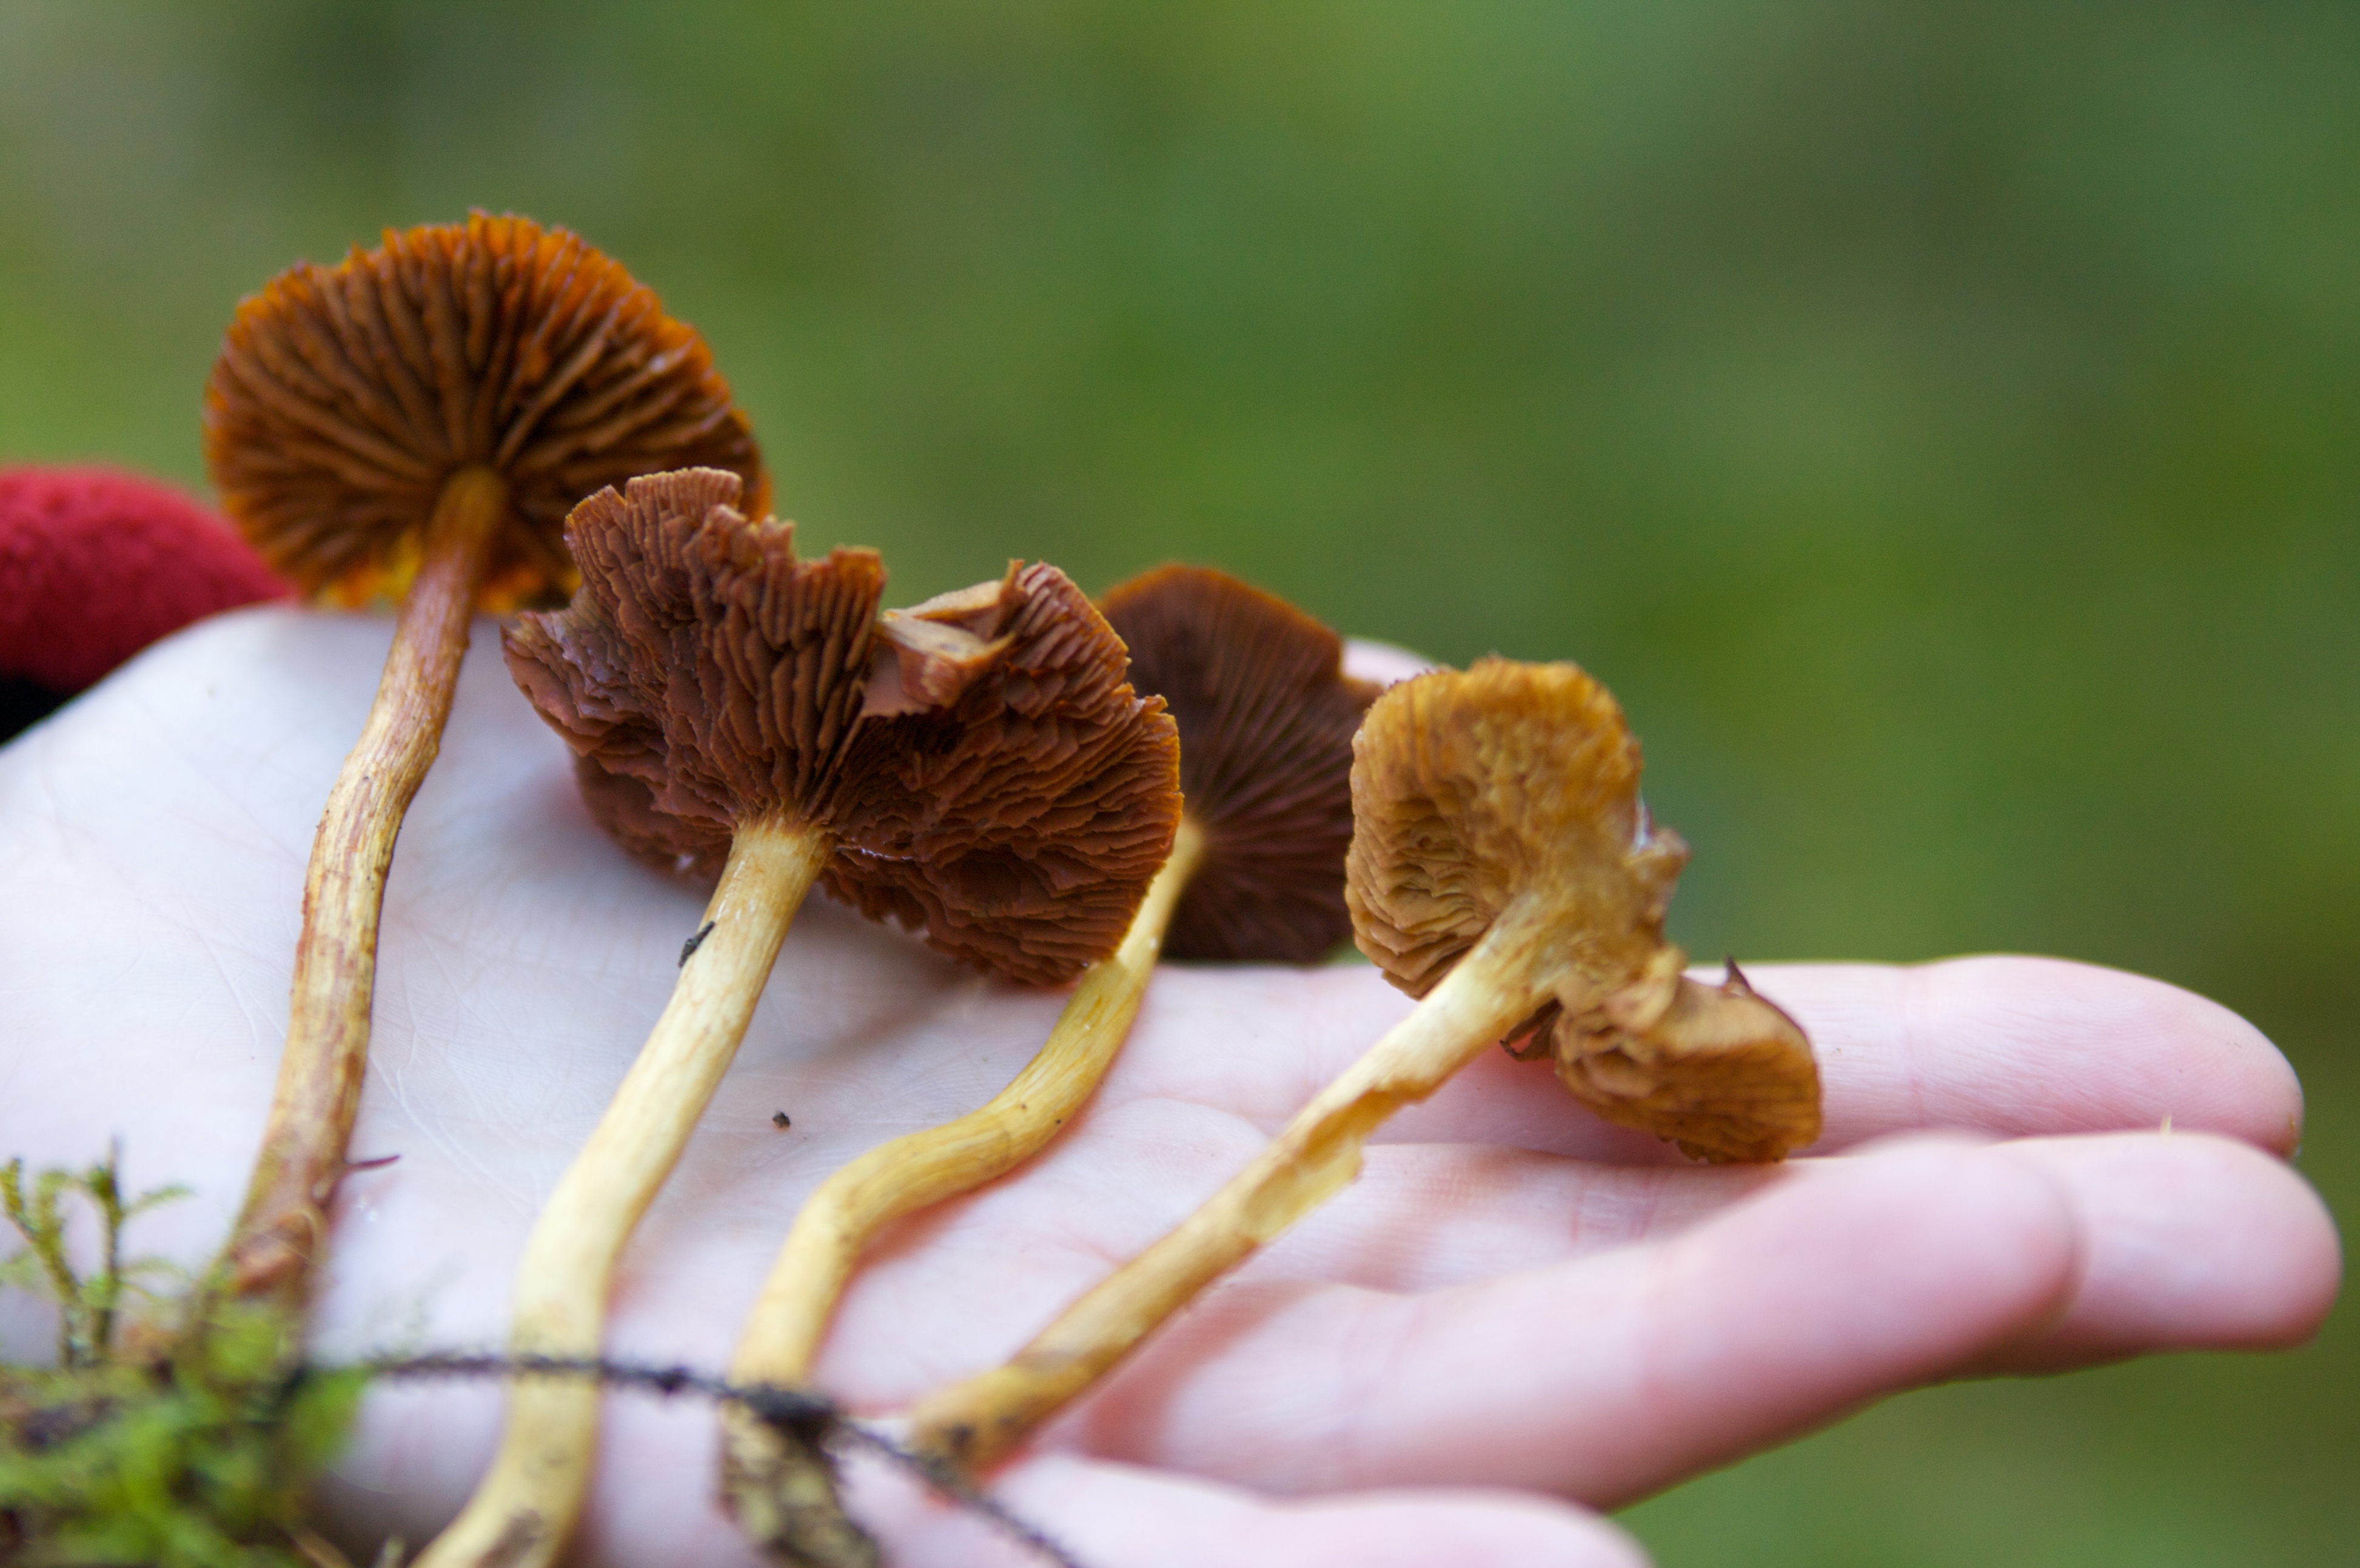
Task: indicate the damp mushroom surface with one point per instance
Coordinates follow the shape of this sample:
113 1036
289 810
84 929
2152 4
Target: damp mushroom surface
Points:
976 770
1503 870
1266 716
415 423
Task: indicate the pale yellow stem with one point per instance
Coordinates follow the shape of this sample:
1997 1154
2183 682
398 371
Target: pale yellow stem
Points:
837 1222
527 1503
791 1316
973 1423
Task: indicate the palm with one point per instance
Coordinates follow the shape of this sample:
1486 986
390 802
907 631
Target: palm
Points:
1514 1302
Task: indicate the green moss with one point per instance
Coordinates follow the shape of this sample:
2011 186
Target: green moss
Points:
183 1438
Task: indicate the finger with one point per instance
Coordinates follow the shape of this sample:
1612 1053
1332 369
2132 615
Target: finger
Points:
2020 1046
1611 1375
2006 1045
2087 1046
1421 1218
2189 1242
2181 1242
1430 1216
1115 1516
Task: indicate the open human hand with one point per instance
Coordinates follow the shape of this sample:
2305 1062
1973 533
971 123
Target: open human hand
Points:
1517 1314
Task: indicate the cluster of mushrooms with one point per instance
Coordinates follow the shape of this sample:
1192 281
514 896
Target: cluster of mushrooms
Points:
491 415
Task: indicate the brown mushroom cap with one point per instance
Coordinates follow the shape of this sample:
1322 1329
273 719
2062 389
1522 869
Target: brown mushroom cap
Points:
1019 825
346 395
1514 790
1266 716
703 676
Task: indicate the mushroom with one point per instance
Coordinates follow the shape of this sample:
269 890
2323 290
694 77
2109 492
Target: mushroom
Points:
1503 869
1266 715
415 422
976 767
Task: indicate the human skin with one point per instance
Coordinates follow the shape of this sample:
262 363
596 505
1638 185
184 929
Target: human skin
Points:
1517 1316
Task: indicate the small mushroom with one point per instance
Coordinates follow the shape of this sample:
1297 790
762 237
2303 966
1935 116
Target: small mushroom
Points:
1000 787
1503 869
415 422
1266 715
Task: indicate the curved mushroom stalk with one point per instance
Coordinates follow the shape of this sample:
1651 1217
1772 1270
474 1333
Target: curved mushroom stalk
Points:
1503 869
1265 715
781 1487
730 703
284 1224
922 1168
520 1509
416 422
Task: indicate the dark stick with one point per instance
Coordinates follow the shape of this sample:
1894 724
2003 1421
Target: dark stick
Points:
798 1411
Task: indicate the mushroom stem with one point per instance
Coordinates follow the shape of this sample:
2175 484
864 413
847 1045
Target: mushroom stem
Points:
789 1318
972 1423
280 1231
526 1505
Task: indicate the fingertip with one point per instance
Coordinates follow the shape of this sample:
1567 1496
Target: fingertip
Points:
2130 1051
2190 1242
2017 1045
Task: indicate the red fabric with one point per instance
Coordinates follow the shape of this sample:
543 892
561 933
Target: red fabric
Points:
95 564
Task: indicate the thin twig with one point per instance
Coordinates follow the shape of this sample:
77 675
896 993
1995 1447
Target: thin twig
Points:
798 1411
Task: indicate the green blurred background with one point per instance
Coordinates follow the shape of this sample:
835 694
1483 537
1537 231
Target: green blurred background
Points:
1938 422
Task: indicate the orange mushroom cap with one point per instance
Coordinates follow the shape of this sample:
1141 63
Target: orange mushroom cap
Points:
344 397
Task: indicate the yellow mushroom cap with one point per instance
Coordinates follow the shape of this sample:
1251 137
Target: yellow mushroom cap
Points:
1507 783
1510 791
